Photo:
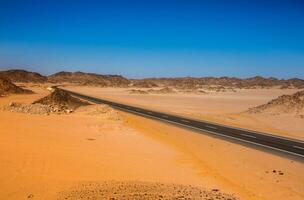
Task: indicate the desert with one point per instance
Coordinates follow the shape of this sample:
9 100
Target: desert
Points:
151 100
230 108
56 146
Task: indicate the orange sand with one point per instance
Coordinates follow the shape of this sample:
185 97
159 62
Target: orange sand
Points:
43 155
243 170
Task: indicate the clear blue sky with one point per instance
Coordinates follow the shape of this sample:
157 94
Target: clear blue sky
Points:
154 38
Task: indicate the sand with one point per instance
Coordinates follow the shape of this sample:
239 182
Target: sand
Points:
43 156
60 156
224 108
247 172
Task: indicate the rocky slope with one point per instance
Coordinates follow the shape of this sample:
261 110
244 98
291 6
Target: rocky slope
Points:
61 101
23 76
7 87
90 79
284 104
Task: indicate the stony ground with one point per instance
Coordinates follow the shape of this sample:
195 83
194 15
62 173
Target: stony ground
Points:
141 191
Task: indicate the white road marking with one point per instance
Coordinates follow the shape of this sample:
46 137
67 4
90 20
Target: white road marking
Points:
211 127
251 136
149 112
298 147
183 120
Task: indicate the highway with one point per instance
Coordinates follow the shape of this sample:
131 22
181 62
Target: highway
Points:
277 143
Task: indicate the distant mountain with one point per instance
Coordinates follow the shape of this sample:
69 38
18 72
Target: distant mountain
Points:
254 82
22 76
81 78
184 83
284 104
7 87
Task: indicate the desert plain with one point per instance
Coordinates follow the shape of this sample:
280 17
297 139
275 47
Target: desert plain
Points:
87 154
219 107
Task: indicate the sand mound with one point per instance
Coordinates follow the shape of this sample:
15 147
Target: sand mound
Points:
134 91
7 87
284 104
61 100
101 110
141 191
193 91
165 90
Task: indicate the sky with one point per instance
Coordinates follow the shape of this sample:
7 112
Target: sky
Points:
145 38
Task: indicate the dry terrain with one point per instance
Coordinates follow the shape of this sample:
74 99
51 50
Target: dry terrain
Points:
48 156
95 150
221 107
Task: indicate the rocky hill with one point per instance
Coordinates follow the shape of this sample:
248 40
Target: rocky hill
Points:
231 82
182 83
61 100
22 76
284 104
7 87
81 78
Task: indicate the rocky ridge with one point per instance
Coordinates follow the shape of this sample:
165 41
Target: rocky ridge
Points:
7 87
218 84
22 76
227 82
89 79
283 104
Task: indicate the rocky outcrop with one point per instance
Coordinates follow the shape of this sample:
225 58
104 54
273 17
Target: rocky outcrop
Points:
22 76
284 104
61 100
7 87
89 79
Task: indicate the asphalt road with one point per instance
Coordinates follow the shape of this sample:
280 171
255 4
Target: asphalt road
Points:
282 144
